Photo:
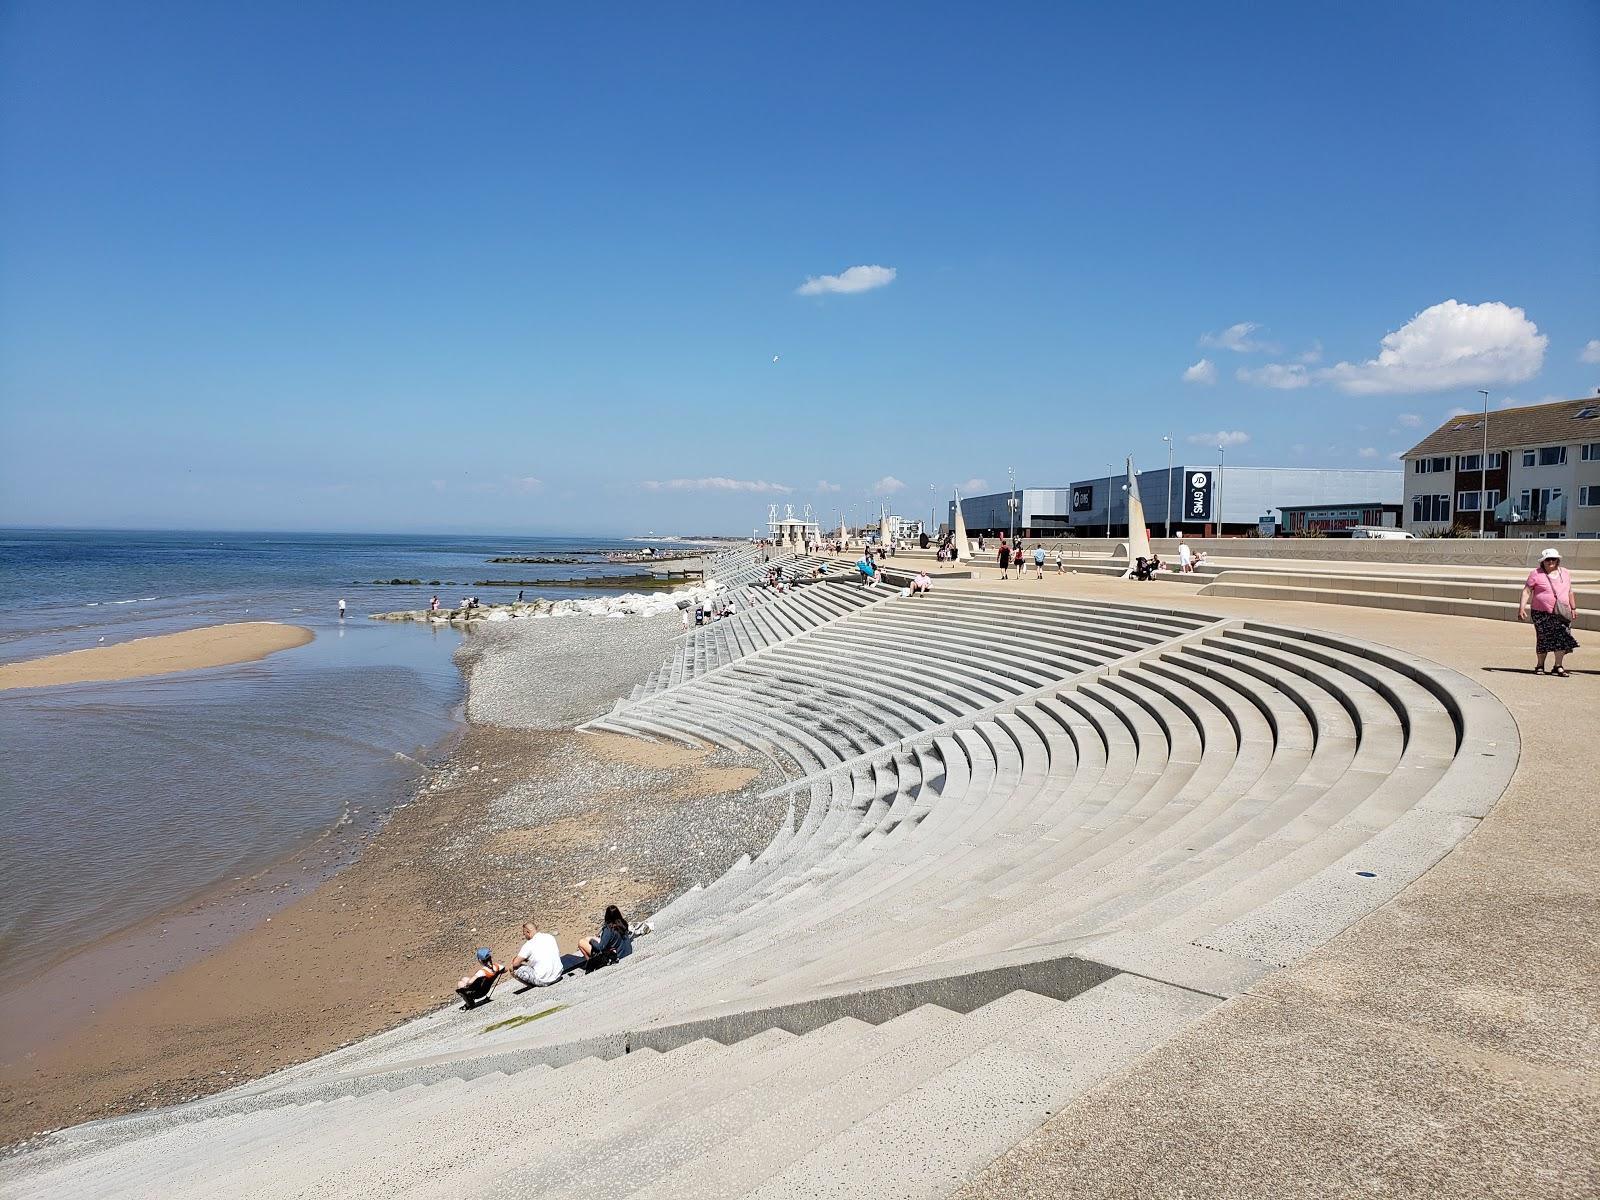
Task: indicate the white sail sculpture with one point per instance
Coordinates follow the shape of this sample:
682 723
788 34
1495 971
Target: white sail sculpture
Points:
883 528
1138 531
959 543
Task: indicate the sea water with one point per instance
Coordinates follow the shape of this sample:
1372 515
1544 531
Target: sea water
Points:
122 800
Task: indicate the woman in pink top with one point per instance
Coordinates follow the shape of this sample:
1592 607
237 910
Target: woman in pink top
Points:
1548 600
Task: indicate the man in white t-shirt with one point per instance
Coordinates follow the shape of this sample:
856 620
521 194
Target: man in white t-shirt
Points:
538 963
1185 559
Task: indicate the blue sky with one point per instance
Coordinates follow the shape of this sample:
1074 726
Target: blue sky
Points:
525 267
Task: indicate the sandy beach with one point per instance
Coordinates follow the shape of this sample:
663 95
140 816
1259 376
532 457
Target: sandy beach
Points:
190 650
520 823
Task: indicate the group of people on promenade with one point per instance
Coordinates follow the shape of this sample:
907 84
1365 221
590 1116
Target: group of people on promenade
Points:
540 963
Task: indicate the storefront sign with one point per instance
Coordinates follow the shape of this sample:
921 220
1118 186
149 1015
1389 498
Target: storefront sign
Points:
1197 496
1083 498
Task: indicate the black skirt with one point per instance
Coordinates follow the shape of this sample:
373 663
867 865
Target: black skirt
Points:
1553 634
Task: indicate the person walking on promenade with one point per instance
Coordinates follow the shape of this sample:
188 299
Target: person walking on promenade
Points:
1038 560
341 608
1547 599
1061 561
1005 559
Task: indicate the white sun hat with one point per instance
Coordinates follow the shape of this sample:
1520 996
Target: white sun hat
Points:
1549 552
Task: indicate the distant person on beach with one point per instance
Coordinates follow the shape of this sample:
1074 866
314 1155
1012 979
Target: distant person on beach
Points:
1548 601
341 608
612 942
433 605
538 963
519 595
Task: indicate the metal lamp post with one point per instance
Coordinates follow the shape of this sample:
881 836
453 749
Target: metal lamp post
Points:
1168 440
1483 466
1011 504
1222 461
1108 502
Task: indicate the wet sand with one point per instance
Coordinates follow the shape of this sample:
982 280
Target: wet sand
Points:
190 650
385 939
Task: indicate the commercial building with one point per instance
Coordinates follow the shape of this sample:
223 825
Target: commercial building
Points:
1300 519
1541 478
1202 499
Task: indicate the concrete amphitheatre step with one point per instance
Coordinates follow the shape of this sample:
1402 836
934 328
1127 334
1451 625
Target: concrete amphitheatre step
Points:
1465 595
1033 838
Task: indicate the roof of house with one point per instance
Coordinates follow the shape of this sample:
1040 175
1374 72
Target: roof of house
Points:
1533 425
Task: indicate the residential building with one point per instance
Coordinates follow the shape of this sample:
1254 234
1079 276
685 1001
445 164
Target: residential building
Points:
1541 479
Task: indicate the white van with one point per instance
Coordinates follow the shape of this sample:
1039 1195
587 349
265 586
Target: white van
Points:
1381 531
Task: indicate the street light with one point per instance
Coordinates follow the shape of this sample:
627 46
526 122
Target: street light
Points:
1168 440
1483 466
1011 504
1222 460
1108 502
933 508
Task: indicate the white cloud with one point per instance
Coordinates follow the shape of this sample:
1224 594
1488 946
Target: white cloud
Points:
1223 437
526 484
1367 452
1275 375
824 486
887 486
714 483
1313 355
974 486
1457 411
1409 420
1204 371
437 485
1451 345
1240 339
1590 352
852 279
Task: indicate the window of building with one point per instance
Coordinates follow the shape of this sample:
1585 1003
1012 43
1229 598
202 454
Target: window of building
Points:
1591 452
1553 456
1469 462
1492 498
1589 496
1429 466
1530 458
1537 501
1467 501
1430 508
1587 413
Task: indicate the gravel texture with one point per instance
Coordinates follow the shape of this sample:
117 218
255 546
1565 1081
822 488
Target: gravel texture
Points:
557 672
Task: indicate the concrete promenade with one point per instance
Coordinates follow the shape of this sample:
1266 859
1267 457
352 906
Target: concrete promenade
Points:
1447 1045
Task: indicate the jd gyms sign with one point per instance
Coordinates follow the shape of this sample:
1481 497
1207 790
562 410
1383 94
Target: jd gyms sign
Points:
1197 496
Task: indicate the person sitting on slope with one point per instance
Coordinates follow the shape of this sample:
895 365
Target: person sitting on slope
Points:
474 989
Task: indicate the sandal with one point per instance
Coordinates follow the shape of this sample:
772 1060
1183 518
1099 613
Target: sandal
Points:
1559 672
1538 670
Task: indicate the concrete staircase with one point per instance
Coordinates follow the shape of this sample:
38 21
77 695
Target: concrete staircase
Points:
1464 594
1032 839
